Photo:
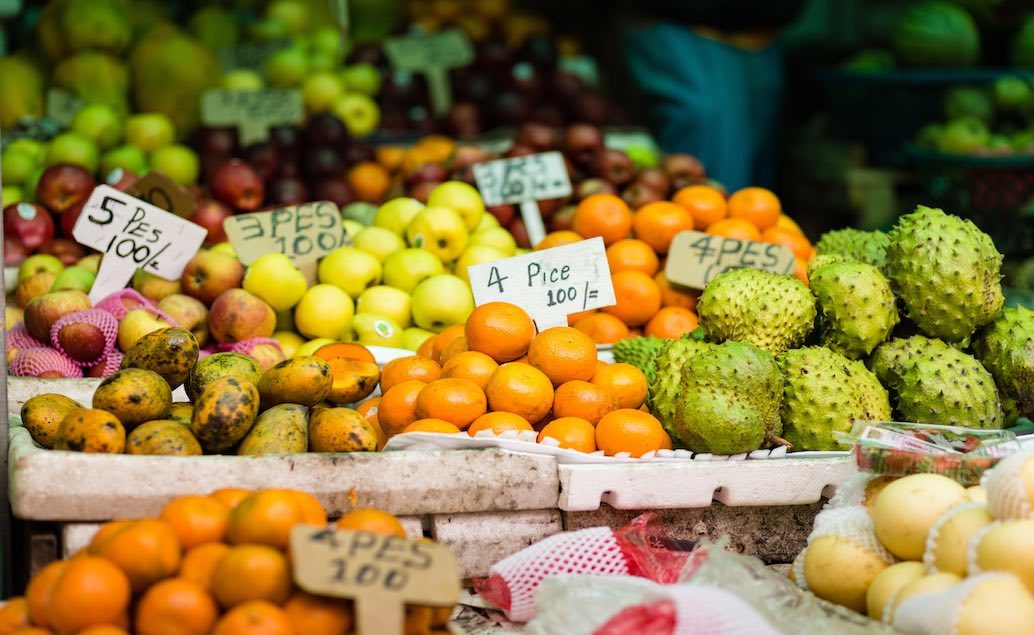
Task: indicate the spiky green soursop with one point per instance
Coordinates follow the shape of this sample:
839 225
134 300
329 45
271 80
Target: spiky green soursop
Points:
824 392
933 382
869 247
729 400
668 364
1006 349
639 352
821 261
857 310
946 271
775 312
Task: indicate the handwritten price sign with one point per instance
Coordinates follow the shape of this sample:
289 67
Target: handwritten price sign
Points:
252 111
525 180
158 189
433 55
382 573
549 284
133 234
303 233
695 258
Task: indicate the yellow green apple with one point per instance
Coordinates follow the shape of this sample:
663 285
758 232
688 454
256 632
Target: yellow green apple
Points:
324 311
276 279
407 268
350 269
396 214
312 346
370 329
441 301
439 230
386 301
379 242
289 342
461 197
475 255
413 337
495 237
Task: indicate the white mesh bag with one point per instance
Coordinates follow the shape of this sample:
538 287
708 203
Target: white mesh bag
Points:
1003 485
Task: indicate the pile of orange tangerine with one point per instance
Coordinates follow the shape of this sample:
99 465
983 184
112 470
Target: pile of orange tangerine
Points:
496 373
638 241
216 564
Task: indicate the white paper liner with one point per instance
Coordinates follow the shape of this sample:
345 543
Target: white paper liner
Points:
852 492
971 551
931 538
852 523
938 613
1003 485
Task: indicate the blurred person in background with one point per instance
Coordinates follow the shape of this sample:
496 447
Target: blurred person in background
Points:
711 77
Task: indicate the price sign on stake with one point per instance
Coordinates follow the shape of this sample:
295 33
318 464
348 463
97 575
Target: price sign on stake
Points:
695 258
158 189
549 284
524 180
433 55
304 233
133 234
252 111
381 573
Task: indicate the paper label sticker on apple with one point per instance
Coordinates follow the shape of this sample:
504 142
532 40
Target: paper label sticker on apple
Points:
524 180
133 234
303 233
381 573
695 258
549 284
433 55
253 112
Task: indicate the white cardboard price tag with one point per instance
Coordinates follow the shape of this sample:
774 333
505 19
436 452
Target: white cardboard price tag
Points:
305 232
433 55
381 573
524 180
252 111
133 234
549 284
695 258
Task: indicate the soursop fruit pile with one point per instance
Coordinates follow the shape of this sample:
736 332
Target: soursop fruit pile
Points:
906 325
824 392
726 399
775 312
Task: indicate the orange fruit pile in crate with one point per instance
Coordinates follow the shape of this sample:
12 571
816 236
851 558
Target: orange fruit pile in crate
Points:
217 564
497 374
637 243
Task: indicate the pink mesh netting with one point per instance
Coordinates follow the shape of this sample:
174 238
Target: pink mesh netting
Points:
109 365
18 338
113 304
34 362
104 321
513 581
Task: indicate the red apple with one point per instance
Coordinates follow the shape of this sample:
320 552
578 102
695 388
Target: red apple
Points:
334 190
588 187
14 252
217 142
536 135
519 150
422 190
236 184
67 220
264 158
549 206
503 213
238 315
287 191
639 194
654 178
62 186
210 273
614 166
520 232
464 120
582 142
683 167
562 219
426 172
210 215
29 224
67 251
119 179
465 156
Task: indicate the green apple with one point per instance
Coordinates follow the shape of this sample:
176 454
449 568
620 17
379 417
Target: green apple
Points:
351 229
17 165
413 337
155 288
225 247
475 255
322 62
349 269
397 213
495 237
387 301
359 113
74 277
360 212
441 301
310 347
287 68
324 311
74 148
439 230
289 342
178 162
100 123
326 42
29 186
370 329
487 220
266 29
275 279
320 91
91 263
294 14
379 242
128 157
362 78
461 197
242 79
34 148
150 131
39 263
406 269
11 194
